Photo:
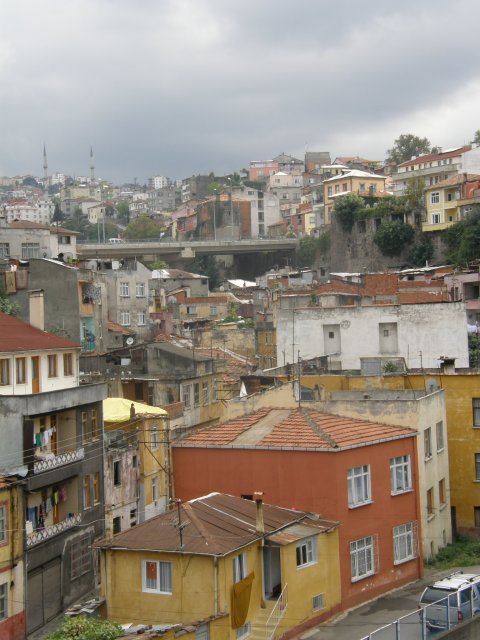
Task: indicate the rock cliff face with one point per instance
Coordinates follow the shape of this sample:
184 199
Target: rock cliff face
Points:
357 252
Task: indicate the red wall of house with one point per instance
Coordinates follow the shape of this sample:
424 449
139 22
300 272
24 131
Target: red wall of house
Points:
316 481
13 628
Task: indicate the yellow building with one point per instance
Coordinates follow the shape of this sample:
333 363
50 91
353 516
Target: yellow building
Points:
12 592
355 181
462 401
266 569
150 426
449 200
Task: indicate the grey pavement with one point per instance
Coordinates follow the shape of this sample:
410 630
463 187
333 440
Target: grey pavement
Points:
364 619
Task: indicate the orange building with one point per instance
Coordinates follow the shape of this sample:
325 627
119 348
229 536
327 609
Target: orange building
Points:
362 474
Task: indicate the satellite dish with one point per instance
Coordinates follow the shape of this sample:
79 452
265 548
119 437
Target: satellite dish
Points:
130 341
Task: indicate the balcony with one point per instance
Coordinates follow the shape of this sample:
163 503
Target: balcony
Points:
39 536
88 346
52 461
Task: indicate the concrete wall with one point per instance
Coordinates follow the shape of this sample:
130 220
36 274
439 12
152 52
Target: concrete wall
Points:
425 332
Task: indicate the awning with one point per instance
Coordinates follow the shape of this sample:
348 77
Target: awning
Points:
118 410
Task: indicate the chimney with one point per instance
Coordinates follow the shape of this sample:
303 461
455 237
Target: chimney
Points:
36 311
447 365
109 526
259 525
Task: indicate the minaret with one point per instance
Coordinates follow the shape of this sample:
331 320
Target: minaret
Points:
92 167
45 165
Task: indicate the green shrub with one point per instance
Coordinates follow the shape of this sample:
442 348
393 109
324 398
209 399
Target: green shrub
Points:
391 237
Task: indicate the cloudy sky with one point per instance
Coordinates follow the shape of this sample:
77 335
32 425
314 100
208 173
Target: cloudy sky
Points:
177 87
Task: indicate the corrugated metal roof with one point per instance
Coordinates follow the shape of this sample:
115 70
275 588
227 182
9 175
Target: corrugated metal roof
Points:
17 335
214 525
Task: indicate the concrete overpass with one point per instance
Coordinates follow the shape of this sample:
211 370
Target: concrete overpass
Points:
148 249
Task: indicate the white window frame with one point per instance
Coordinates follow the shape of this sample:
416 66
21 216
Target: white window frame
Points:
205 393
125 319
477 466
163 580
436 218
440 436
154 439
155 491
306 552
362 558
359 486
476 412
186 395
435 197
400 475
427 443
141 318
3 524
140 290
239 563
124 289
404 542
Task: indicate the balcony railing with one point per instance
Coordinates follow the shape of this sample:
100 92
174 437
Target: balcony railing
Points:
52 461
44 534
88 345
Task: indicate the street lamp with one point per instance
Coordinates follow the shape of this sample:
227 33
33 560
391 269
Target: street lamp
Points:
215 192
229 180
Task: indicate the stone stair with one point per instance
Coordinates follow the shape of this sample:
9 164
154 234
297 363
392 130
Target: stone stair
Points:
258 623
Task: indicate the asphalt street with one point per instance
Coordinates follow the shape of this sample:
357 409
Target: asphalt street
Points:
358 623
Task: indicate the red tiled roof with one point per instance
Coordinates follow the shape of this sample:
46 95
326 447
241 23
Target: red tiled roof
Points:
452 181
118 328
16 335
300 429
429 157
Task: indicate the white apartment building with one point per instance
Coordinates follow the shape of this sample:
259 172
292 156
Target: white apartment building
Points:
158 182
352 338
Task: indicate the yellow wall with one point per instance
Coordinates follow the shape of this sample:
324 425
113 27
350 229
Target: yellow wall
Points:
323 577
193 586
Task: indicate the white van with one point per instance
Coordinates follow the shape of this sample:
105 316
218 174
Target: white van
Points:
116 241
461 591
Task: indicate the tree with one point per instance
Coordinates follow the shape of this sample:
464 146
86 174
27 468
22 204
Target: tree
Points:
9 307
422 252
207 266
476 137
463 239
123 212
58 215
414 196
307 249
407 146
391 237
82 628
143 228
346 208
29 181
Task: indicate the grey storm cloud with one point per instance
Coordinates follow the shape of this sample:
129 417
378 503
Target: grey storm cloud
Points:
177 87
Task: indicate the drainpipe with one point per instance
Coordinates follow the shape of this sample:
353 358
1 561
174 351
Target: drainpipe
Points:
260 529
215 585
